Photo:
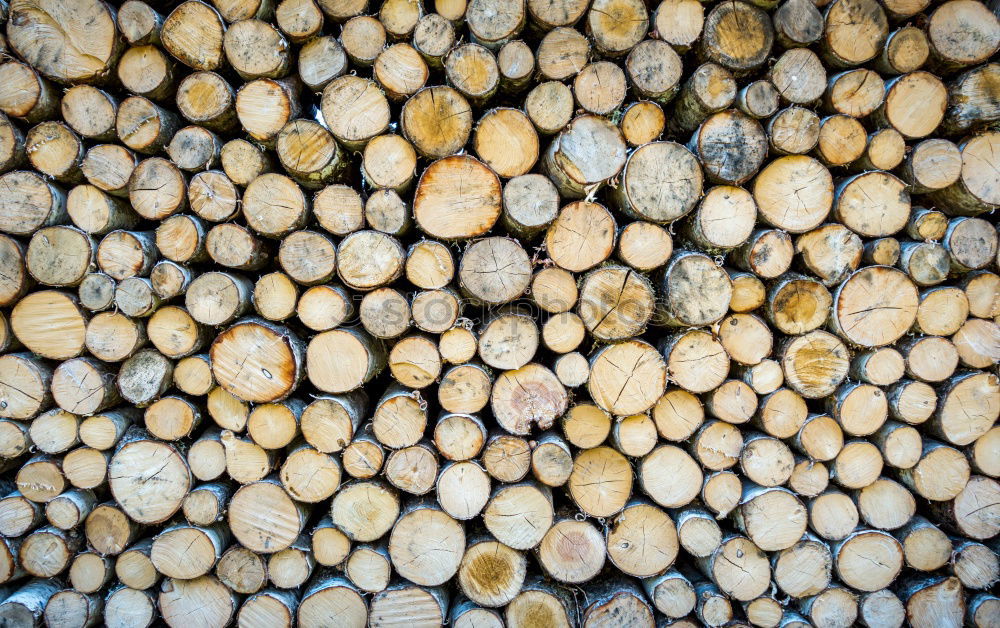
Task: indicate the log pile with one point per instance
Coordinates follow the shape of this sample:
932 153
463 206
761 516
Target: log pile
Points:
499 312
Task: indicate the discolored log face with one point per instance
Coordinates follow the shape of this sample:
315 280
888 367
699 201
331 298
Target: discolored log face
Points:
536 313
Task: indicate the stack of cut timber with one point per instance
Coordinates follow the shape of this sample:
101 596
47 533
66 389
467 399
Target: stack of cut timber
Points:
526 313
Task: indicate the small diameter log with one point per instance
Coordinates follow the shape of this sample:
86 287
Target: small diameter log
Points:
517 63
900 444
841 140
588 152
25 605
804 569
494 271
187 551
860 409
886 150
27 94
853 559
530 204
435 128
793 131
11 145
797 23
109 530
723 220
113 337
89 572
550 106
925 547
857 465
83 386
90 111
586 559
55 151
831 252
737 36
507 142
973 88
615 598
940 474
328 595
491 573
773 518
847 42
193 34
128 606
671 593
883 252
519 514
433 37
799 76
961 515
885 504
970 242
655 70
872 204
799 212
645 246
738 568
748 292
833 606
797 304
423 526
470 481
278 530
73 608
615 303
530 394
551 461
474 72
30 204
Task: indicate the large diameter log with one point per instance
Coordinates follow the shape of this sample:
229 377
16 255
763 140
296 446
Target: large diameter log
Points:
275 356
933 601
479 202
885 297
650 192
130 478
971 194
34 23
950 53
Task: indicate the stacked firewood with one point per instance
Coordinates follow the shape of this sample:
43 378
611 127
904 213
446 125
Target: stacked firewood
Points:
533 313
